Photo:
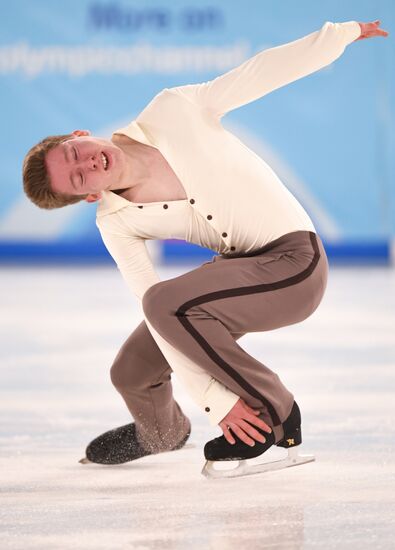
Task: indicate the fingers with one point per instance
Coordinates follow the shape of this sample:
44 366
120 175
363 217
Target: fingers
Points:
241 435
369 30
228 436
377 31
252 432
244 431
252 417
242 421
259 422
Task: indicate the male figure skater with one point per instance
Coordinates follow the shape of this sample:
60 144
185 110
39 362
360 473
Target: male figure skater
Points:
175 172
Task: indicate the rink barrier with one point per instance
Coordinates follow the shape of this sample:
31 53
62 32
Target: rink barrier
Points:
375 252
173 251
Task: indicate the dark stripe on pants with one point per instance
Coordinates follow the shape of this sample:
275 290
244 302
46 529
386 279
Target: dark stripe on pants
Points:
181 314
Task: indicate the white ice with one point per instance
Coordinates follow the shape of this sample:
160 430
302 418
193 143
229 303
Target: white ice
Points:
61 327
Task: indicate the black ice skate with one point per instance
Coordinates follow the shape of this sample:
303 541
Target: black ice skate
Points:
119 445
219 449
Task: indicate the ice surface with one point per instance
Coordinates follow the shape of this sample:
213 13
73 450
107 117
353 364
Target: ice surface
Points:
61 327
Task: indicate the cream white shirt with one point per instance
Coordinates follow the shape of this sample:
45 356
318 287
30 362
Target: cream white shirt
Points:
236 203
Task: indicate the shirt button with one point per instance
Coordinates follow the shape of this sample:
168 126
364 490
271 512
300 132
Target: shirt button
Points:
192 201
224 234
140 207
207 409
165 206
209 217
232 248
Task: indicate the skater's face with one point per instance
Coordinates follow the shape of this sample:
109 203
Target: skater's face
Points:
85 165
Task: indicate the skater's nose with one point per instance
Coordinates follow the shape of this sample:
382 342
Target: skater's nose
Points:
88 163
91 163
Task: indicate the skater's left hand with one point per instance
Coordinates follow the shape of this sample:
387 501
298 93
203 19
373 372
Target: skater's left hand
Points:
236 420
371 29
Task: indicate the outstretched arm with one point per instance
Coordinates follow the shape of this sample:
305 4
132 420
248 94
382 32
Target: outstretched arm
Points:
275 67
271 69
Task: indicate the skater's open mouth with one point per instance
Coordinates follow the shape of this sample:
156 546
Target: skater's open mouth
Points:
105 161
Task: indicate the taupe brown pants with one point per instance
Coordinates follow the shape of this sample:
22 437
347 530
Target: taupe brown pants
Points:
202 313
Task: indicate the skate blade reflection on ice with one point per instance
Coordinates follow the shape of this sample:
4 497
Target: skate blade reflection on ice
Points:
244 467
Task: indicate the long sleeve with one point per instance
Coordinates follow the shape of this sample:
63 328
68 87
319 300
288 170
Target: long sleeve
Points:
133 261
271 69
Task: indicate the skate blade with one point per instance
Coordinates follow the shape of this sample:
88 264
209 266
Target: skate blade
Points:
244 469
85 461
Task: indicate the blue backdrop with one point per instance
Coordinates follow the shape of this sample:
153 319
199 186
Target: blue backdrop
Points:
94 65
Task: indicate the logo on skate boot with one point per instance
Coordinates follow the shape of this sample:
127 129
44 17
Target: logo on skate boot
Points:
291 441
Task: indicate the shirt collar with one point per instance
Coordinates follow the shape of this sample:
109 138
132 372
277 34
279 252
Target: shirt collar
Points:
111 202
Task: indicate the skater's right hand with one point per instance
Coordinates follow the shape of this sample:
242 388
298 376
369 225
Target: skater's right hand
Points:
236 420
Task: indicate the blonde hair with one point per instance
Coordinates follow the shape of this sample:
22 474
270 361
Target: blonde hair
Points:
36 181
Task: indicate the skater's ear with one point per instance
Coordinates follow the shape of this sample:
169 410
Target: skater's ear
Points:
93 197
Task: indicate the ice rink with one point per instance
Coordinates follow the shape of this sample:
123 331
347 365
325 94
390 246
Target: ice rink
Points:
61 327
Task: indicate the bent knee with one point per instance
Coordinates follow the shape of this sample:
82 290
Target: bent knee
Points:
126 376
134 376
116 375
